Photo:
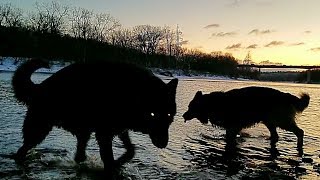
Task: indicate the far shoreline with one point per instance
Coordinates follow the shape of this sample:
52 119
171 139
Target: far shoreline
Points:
9 65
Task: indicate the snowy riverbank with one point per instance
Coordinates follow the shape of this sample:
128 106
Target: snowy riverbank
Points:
10 64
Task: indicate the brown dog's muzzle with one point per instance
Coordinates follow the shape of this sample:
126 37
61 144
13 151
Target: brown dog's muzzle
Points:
187 116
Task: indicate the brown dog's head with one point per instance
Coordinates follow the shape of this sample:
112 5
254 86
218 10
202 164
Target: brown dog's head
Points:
197 109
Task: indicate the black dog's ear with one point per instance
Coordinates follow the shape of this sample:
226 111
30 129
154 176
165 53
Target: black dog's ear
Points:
172 85
198 94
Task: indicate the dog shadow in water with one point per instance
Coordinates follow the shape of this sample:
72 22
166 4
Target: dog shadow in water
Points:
213 157
236 161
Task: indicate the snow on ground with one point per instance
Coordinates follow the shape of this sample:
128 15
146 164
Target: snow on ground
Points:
10 64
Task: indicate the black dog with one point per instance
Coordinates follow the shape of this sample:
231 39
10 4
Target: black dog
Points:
107 98
241 108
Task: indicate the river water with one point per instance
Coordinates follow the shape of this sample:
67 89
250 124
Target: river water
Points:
195 151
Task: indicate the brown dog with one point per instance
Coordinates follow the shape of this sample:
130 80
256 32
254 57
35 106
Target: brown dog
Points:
241 108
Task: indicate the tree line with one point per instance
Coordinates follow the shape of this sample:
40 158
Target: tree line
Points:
57 31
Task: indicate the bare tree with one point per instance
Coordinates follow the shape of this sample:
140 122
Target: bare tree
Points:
10 16
37 22
147 38
81 23
166 45
172 42
4 11
216 53
102 25
15 18
49 17
122 37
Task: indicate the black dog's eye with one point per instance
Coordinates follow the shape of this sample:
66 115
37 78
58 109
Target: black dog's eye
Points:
169 114
152 114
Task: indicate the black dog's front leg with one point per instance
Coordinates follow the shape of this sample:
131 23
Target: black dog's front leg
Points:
32 135
82 140
106 153
129 154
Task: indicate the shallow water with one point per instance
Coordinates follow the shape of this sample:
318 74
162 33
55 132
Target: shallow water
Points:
195 151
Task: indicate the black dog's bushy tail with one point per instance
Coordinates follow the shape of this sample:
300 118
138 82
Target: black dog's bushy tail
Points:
22 85
303 102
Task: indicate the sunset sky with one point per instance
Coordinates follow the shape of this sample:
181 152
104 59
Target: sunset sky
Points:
285 31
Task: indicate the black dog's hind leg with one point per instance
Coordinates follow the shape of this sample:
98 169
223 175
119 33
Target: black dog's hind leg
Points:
129 154
82 140
34 132
274 137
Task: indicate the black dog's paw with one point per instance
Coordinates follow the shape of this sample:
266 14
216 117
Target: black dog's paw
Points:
125 158
113 171
117 165
79 159
17 158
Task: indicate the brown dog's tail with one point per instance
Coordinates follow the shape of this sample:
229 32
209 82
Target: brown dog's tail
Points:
302 103
22 85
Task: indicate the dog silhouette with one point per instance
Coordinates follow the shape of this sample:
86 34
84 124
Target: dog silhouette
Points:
241 108
105 98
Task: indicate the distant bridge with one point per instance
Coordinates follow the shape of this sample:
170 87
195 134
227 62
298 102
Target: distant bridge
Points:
308 68
278 66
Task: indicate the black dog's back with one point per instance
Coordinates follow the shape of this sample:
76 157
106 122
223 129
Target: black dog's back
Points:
81 86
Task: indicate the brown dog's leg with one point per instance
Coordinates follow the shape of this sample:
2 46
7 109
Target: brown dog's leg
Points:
231 135
82 140
273 134
298 132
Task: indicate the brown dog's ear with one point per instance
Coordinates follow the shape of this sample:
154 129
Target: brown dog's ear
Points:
198 94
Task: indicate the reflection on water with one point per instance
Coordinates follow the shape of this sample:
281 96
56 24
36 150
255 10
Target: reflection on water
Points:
195 151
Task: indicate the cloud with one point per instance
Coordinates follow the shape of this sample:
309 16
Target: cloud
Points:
233 3
234 46
297 44
307 32
238 3
223 34
274 43
254 31
212 26
252 46
316 49
261 32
